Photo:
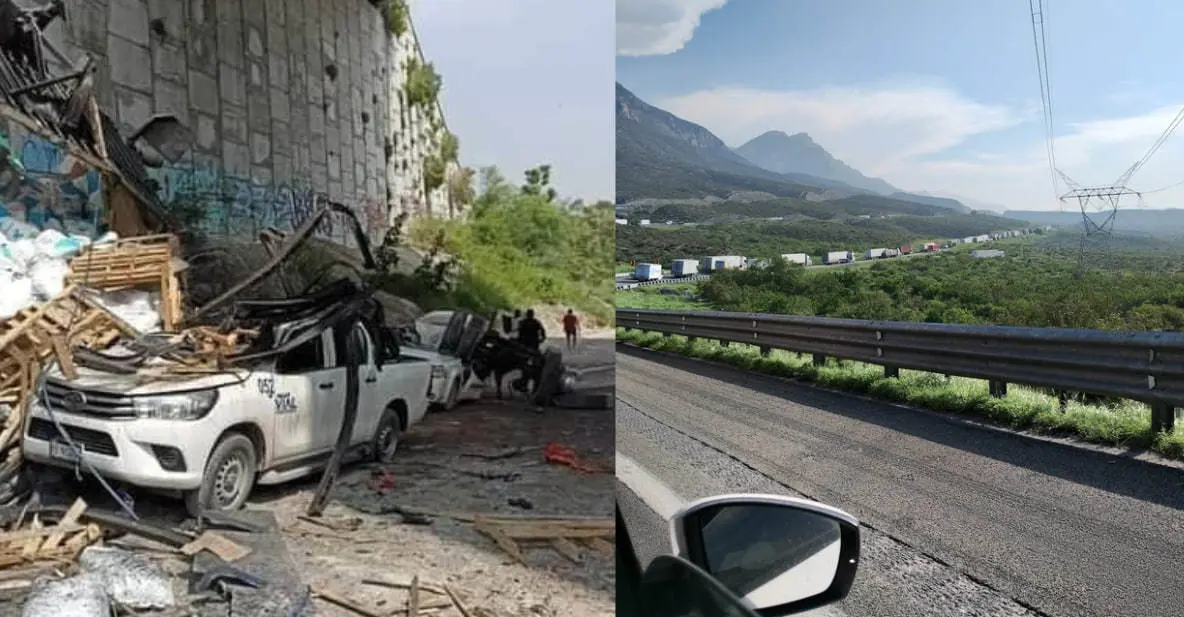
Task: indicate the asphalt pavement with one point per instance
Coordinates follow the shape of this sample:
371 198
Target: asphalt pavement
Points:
958 519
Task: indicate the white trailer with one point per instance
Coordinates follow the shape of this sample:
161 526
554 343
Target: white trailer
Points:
986 253
685 267
801 259
648 272
838 257
875 253
725 262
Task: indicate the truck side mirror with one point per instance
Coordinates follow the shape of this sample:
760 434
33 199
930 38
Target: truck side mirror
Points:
779 554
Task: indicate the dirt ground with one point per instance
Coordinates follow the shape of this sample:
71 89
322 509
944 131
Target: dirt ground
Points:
445 466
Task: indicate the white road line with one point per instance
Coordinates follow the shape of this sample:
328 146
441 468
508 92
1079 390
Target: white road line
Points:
652 491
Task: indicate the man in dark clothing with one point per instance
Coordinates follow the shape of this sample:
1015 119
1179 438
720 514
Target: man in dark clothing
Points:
530 331
507 324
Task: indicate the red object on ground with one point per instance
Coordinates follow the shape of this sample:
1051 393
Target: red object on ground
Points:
560 454
382 480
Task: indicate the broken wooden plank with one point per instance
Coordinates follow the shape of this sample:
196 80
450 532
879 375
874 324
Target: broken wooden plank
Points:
503 541
566 548
396 585
216 543
24 535
65 356
460 606
70 518
413 598
601 546
333 597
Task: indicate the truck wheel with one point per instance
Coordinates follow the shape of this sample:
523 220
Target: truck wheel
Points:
453 394
228 479
386 438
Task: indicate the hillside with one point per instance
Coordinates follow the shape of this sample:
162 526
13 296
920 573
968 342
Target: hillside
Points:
660 155
836 209
663 157
799 153
765 239
1160 223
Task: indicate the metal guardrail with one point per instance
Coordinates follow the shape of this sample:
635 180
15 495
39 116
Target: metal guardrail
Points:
1141 366
673 280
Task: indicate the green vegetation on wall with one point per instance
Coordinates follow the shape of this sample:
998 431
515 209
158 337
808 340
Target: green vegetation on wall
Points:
423 83
521 249
450 147
397 17
435 171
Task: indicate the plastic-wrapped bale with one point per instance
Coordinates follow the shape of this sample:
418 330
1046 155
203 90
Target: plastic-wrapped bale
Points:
129 579
77 596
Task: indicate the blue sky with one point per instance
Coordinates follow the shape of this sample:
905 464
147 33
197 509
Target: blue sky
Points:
522 88
931 95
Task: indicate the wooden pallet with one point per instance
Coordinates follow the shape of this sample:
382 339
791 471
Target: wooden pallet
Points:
60 542
36 333
132 263
565 536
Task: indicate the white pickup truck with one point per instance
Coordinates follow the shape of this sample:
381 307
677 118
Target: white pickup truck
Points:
212 438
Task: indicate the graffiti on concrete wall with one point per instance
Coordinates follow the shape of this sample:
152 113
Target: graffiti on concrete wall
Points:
235 205
54 190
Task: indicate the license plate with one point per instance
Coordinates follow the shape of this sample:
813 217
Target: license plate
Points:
62 451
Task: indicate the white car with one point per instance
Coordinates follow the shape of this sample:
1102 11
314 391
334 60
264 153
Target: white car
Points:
446 340
213 437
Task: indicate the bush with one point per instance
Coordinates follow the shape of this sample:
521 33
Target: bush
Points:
423 83
519 249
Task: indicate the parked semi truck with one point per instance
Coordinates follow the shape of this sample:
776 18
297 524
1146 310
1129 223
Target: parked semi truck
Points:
906 249
684 267
798 258
838 257
648 272
875 253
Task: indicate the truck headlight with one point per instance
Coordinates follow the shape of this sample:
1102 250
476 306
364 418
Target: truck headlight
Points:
437 371
186 406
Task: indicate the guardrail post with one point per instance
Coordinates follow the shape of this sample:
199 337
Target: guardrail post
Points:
998 389
819 359
765 351
891 372
1163 417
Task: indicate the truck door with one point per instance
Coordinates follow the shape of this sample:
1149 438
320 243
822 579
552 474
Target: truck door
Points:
452 333
294 390
467 348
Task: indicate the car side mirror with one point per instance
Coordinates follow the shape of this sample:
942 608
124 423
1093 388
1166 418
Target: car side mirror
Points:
780 555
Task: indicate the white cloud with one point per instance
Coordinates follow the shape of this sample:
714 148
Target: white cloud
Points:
875 130
904 134
658 27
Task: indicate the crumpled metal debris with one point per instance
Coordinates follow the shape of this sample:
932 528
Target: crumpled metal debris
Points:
77 596
128 579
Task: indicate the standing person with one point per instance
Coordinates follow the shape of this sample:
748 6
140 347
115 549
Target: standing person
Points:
571 326
530 331
514 322
507 324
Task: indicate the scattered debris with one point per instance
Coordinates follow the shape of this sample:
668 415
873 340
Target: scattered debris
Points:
513 534
562 455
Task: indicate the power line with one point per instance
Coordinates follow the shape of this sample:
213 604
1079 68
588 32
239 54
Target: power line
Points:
1040 44
1163 137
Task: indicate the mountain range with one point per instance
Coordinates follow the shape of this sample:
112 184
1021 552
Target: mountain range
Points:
1165 223
662 156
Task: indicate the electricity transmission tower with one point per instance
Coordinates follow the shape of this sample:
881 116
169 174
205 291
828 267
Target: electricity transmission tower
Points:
1099 208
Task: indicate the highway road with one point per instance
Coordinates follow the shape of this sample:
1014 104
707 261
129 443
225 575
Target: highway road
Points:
958 519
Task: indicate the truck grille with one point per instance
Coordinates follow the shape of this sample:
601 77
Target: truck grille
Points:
69 399
94 442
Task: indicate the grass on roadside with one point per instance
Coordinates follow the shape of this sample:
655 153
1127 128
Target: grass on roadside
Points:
653 298
1127 423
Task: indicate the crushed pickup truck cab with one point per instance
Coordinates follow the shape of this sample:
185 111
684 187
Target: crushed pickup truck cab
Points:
213 437
448 340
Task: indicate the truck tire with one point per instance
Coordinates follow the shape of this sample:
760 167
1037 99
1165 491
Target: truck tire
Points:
386 437
228 479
